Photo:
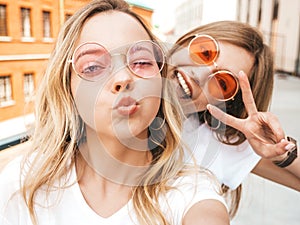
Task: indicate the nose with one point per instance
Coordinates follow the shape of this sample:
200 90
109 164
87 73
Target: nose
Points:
123 80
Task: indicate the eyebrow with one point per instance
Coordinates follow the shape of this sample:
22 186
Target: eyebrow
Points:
136 48
88 52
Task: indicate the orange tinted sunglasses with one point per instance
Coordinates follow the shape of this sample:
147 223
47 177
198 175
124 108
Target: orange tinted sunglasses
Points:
222 84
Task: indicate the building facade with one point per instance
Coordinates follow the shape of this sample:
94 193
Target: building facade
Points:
278 20
28 29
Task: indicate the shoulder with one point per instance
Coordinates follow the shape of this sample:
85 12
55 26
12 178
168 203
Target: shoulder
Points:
189 190
200 186
11 170
10 176
209 211
204 203
9 154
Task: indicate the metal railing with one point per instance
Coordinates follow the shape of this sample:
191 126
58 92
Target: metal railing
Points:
13 140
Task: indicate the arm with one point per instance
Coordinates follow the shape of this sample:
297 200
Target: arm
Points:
206 212
267 169
295 166
262 129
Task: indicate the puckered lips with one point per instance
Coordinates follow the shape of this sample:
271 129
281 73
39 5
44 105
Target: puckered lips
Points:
126 106
184 84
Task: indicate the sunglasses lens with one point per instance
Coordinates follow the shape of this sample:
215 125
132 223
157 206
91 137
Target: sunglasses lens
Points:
203 50
145 59
91 61
222 85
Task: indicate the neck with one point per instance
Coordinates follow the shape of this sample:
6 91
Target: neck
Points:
114 160
103 195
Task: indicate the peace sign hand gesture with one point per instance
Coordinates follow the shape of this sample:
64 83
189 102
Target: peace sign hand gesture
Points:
262 129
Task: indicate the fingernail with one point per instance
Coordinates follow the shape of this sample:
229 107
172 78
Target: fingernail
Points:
241 73
289 147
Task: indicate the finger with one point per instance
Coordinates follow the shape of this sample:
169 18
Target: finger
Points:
224 117
247 93
273 123
268 150
282 147
273 151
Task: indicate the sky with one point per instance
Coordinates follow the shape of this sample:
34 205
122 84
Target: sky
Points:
213 10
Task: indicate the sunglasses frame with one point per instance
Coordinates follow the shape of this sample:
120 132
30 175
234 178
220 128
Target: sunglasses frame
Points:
163 60
212 39
234 77
212 63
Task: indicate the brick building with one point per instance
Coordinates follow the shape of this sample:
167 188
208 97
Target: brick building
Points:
28 29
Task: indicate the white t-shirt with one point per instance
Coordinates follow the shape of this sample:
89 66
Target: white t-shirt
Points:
67 206
229 163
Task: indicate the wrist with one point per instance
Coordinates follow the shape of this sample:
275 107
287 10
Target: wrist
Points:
286 159
280 157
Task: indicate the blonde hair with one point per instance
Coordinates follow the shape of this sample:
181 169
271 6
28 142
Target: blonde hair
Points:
261 79
58 126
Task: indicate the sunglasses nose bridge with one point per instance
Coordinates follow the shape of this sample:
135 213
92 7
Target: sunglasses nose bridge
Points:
201 73
118 61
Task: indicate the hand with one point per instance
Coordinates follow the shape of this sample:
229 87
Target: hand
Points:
262 129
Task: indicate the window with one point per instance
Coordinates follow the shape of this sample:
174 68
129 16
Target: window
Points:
248 12
5 89
67 16
28 86
26 23
46 24
259 14
3 21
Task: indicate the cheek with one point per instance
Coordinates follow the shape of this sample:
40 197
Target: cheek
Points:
74 84
151 108
150 92
86 95
200 102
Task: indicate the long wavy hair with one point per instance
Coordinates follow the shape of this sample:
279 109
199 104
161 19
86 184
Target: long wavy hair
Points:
261 77
58 126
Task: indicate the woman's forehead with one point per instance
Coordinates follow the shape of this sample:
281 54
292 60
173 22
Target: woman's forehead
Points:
112 29
234 58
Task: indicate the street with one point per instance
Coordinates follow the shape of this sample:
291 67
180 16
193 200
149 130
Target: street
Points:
264 202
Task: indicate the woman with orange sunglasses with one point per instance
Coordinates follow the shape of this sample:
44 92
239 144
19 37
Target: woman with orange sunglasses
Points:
241 136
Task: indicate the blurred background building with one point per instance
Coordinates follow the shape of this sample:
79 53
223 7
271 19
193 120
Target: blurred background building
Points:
27 33
278 20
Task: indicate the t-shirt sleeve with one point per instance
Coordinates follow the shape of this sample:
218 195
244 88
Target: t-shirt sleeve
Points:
230 163
234 163
189 191
9 193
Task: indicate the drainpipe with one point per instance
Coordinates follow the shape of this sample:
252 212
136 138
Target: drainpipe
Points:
61 11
